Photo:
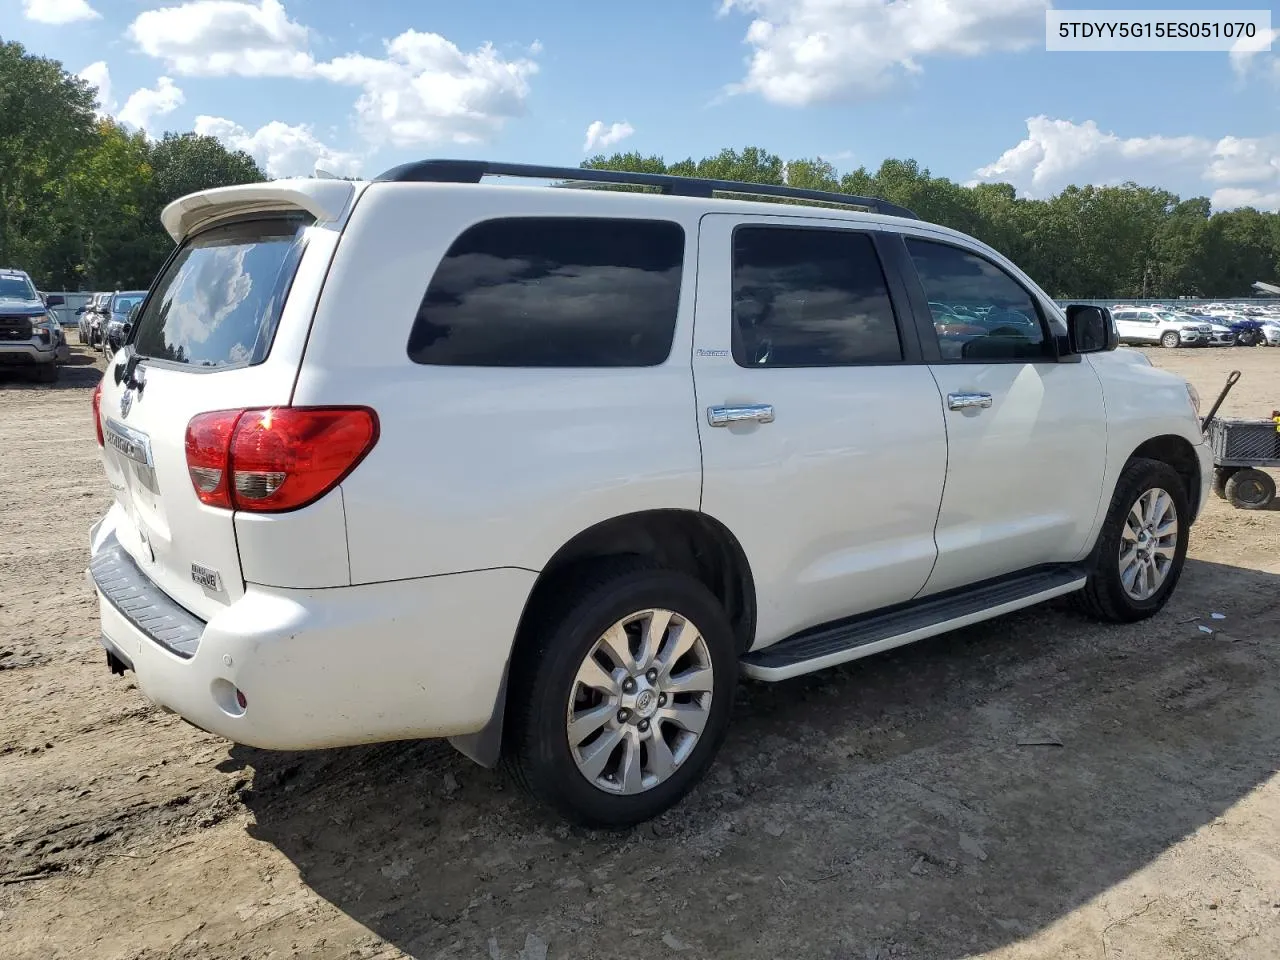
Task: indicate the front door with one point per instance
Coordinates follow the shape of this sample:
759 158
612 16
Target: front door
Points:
823 440
1026 434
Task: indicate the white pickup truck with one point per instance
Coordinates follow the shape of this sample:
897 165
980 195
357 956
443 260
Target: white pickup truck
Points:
544 470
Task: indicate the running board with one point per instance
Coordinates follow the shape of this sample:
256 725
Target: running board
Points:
861 636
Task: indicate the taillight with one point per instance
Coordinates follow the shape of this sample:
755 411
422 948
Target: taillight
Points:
276 459
97 413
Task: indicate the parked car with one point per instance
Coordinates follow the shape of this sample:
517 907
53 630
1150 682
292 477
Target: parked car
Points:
1221 333
1270 331
31 337
1141 325
546 514
119 307
1247 330
93 320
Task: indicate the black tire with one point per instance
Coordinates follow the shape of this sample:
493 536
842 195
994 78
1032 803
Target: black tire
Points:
1170 339
1250 489
1220 477
1104 596
47 373
558 638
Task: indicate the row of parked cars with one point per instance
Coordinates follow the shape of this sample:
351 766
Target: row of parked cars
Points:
104 320
1211 325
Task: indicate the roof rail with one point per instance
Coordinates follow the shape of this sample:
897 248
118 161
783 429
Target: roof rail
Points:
472 171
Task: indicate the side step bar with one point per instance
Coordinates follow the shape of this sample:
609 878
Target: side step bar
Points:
844 640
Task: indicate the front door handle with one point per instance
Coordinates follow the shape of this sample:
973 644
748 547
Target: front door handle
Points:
964 401
743 413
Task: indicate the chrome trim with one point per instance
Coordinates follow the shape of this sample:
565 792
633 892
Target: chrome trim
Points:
127 442
966 401
745 413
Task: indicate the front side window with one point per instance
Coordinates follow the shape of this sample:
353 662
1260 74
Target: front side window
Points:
806 297
219 299
996 317
553 292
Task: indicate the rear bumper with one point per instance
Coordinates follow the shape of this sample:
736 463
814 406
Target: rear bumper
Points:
334 667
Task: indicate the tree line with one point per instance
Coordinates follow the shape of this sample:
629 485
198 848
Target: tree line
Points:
80 202
80 196
1088 242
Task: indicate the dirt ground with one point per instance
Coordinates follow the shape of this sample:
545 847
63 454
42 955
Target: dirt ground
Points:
1036 787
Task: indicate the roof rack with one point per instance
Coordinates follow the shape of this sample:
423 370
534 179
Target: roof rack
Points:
472 171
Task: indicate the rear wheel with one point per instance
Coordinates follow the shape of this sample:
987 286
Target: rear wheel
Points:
1250 489
1142 546
621 697
1170 339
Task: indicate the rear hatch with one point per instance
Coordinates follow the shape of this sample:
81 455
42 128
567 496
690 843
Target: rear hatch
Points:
219 330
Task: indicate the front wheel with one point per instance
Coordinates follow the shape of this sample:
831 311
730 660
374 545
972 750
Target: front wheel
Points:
621 696
1170 340
1142 546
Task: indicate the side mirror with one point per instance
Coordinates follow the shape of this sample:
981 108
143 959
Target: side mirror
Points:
53 300
1091 329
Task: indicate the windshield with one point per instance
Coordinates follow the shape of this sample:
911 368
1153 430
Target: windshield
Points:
124 302
17 288
218 301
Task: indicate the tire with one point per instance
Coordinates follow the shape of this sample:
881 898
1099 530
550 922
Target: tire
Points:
1250 489
562 637
47 373
1170 339
1220 477
1105 596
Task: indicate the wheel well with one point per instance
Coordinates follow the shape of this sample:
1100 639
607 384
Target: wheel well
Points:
683 540
1178 453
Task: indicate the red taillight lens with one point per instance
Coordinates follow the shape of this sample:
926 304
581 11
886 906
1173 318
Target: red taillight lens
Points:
282 458
97 413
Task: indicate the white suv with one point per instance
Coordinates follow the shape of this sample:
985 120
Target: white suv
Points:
544 470
1147 326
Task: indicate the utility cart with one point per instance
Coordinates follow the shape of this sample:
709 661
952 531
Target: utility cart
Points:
1240 448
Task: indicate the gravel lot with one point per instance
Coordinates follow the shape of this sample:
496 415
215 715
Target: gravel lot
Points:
1034 787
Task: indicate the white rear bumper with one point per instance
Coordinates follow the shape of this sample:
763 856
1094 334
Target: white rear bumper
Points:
324 668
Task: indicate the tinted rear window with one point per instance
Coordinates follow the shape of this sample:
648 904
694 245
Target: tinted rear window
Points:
219 300
553 292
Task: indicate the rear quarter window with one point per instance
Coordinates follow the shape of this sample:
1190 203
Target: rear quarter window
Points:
219 299
553 292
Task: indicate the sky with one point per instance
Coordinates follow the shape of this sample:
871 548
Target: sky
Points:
964 87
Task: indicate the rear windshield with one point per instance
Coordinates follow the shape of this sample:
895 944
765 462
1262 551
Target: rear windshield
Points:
124 302
219 299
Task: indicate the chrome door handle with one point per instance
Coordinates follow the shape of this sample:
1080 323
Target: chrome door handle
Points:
963 401
723 416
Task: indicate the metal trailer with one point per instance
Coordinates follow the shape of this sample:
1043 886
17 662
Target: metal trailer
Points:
1240 449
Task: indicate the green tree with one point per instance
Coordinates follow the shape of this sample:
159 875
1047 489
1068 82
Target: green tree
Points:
46 120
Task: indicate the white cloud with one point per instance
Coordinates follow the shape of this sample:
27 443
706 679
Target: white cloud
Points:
282 150
59 11
146 104
1248 57
600 136
426 90
225 37
1057 153
808 51
98 76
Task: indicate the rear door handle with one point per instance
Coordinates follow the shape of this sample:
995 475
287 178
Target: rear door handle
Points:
723 416
964 401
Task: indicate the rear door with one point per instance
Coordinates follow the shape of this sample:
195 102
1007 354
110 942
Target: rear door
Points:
218 331
823 442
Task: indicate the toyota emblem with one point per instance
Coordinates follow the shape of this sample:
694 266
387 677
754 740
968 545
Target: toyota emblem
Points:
126 402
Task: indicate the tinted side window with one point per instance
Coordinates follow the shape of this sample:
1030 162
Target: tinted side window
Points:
553 292
810 297
990 315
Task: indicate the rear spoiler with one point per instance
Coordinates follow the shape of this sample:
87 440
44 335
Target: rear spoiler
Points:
326 200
